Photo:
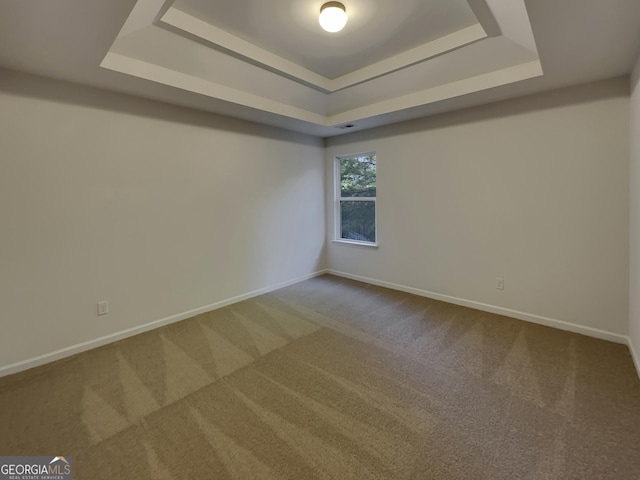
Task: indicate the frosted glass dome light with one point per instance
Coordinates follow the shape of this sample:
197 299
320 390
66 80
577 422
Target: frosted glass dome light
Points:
333 16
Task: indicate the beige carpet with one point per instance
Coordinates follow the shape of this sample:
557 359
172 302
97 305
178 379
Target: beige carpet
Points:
334 379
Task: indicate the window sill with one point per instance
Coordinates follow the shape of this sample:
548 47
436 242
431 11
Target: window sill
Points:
347 243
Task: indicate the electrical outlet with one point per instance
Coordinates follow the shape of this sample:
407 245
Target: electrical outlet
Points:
500 283
103 308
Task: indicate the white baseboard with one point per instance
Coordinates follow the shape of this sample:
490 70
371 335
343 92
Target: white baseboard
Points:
634 355
114 337
98 342
528 317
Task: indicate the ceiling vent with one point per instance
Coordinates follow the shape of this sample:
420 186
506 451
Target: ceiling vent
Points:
344 127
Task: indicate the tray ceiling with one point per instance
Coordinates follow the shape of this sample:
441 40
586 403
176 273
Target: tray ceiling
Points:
273 56
270 62
397 26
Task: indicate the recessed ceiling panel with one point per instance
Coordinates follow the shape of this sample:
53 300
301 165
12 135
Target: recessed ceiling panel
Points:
490 55
411 53
376 30
160 47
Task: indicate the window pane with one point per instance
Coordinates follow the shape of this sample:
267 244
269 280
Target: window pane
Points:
358 221
358 176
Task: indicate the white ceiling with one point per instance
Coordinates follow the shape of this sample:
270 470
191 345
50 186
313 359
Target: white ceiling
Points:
270 62
399 26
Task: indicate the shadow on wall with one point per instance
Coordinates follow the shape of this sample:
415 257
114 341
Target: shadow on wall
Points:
27 85
635 77
589 92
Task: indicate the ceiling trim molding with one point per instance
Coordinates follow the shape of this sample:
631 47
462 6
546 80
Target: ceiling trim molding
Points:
183 81
513 21
447 91
199 30
166 76
416 55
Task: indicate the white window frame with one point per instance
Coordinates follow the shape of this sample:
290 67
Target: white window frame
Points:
338 197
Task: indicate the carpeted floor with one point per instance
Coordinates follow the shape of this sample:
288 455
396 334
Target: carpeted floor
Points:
335 379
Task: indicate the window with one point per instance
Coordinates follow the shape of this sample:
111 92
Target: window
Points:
356 198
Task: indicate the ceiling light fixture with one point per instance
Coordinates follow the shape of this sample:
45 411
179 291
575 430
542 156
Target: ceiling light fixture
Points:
333 16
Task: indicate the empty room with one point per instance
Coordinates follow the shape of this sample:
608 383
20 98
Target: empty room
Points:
298 239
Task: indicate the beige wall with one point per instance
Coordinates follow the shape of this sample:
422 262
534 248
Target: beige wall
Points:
534 190
634 287
157 209
162 210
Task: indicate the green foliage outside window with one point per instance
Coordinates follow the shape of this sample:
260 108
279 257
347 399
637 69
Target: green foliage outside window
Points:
358 180
358 176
